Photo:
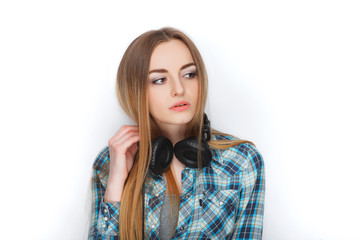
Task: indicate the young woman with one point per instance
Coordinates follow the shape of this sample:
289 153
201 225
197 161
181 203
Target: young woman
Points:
171 176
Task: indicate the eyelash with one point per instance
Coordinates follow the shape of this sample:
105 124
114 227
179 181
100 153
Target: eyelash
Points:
154 82
193 75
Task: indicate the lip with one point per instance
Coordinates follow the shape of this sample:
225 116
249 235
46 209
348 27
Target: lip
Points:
186 106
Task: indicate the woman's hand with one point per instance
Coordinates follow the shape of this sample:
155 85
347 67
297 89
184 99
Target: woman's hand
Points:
122 148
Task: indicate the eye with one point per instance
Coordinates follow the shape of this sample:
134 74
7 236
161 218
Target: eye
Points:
159 81
190 75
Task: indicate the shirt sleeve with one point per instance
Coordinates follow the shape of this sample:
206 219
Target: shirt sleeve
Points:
104 223
249 224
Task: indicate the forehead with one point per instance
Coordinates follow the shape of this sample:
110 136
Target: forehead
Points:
170 54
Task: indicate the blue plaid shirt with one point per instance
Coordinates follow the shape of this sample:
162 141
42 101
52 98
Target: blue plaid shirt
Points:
222 201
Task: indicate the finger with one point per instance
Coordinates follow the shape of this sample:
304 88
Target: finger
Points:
133 148
125 129
123 146
126 137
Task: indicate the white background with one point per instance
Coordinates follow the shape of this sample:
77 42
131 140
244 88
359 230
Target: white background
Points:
284 74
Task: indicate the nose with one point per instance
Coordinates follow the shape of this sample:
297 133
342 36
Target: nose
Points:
177 88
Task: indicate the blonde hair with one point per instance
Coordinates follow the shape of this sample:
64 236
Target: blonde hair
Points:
131 87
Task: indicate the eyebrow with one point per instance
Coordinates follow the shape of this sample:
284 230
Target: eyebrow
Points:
164 70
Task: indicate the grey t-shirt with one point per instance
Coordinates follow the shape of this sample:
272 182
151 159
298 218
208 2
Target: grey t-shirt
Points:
168 221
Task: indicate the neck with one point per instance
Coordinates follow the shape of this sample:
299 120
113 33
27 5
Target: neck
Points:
175 133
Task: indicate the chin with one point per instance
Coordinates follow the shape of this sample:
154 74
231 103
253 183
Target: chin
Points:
177 119
183 118
181 121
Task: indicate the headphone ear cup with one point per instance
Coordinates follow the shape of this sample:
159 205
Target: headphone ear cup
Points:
162 154
186 152
206 129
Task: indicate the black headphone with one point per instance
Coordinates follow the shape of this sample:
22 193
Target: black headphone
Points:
185 150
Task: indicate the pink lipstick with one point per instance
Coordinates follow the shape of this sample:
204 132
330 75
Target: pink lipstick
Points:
180 106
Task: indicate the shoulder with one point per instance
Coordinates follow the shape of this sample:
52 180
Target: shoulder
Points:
243 157
101 167
102 159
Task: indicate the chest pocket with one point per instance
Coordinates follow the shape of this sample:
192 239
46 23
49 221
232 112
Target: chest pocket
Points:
219 210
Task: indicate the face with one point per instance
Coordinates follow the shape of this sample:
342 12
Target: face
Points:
173 84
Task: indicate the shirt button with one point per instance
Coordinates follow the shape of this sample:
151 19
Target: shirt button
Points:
105 218
153 226
105 210
221 203
104 226
156 194
186 196
182 229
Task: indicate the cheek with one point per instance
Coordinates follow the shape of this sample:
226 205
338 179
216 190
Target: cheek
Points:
151 100
155 99
194 89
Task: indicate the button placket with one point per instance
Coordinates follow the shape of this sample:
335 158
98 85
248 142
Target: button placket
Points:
183 228
106 217
154 199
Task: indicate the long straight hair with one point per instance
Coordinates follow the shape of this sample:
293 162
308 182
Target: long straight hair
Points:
132 93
